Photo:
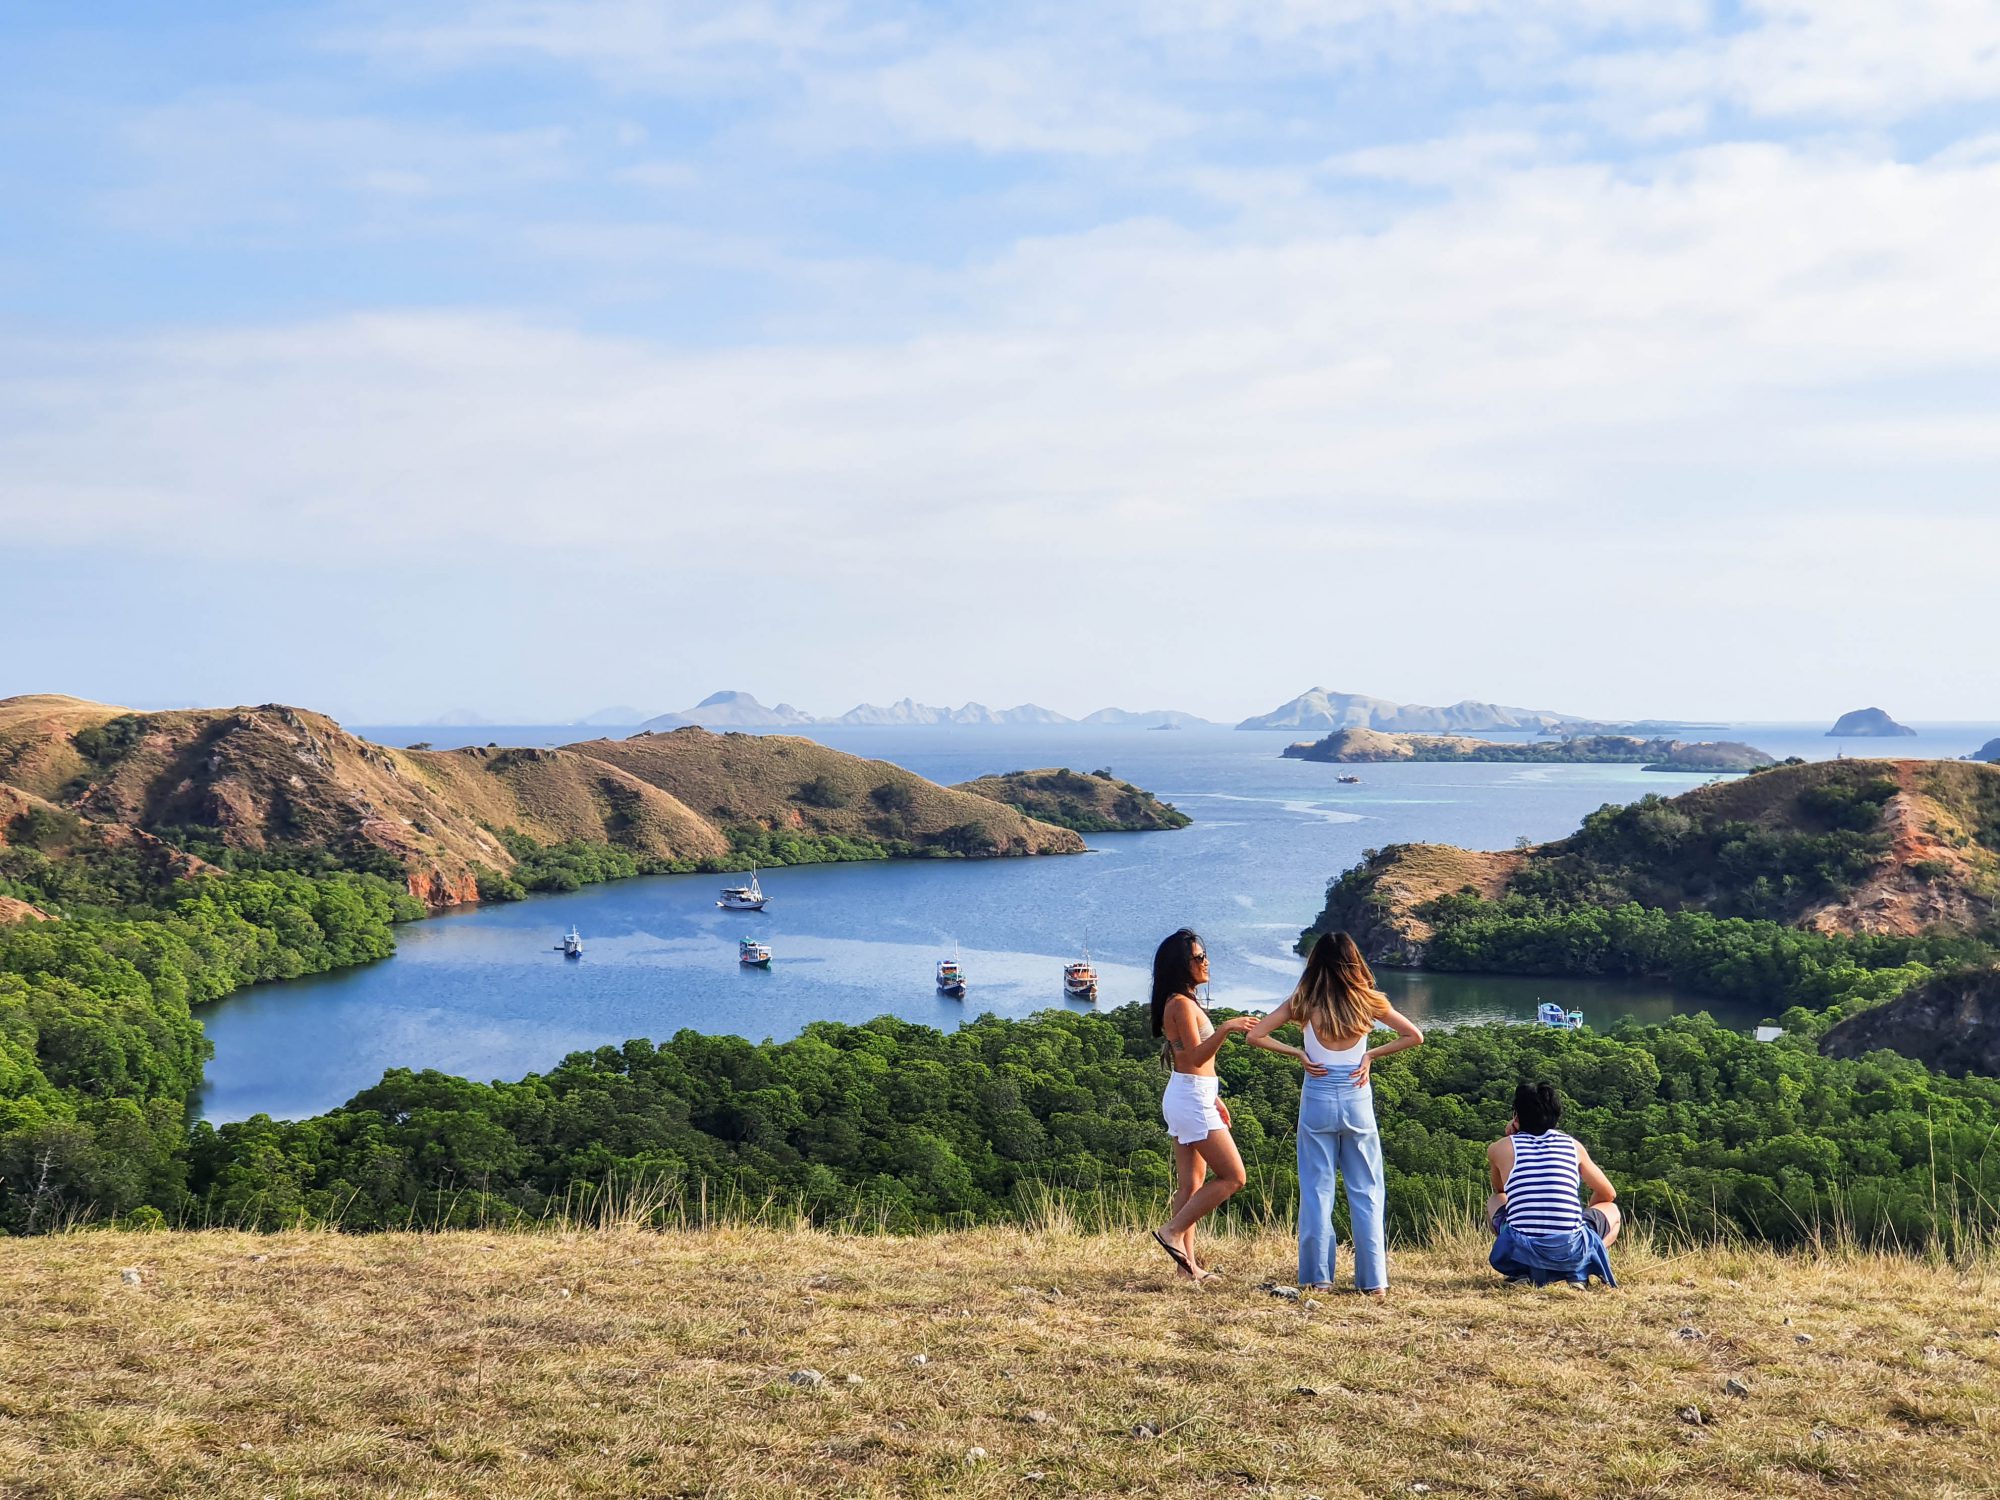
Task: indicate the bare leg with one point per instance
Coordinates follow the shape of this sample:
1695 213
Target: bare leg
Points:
1189 1172
1219 1152
1494 1203
1613 1221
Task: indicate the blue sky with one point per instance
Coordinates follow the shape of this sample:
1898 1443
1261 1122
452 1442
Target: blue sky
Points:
1632 357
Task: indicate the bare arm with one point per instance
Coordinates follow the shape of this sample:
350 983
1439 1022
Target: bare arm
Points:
1499 1162
1408 1035
1183 1032
1594 1181
1260 1036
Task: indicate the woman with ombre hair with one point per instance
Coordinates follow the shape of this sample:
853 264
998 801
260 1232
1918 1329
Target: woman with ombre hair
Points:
1336 1005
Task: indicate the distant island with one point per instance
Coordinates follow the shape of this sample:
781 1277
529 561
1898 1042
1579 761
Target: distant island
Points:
1867 723
1363 746
1319 709
1988 752
734 709
1093 802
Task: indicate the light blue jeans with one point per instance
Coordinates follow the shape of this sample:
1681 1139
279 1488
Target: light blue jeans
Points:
1337 1134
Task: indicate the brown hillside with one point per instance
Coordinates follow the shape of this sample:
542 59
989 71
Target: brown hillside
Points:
28 821
559 795
1380 911
36 751
776 781
275 777
1942 869
1932 861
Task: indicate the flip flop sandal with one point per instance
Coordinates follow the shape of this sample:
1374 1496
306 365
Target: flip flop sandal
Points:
1168 1245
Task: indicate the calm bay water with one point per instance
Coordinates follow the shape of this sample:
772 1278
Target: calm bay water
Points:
484 994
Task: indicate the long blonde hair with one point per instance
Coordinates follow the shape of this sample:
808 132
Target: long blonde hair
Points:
1336 996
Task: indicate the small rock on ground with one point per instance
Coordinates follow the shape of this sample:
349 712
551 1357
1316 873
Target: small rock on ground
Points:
810 1380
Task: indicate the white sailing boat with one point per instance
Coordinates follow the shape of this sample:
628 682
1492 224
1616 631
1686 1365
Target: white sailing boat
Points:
749 897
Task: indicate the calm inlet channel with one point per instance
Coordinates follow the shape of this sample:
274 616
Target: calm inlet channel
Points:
484 993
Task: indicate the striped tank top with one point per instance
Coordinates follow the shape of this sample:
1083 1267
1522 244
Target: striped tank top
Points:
1543 1187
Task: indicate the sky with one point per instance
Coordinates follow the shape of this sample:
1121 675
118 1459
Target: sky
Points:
1619 357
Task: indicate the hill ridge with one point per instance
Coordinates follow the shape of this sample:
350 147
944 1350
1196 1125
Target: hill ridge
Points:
269 778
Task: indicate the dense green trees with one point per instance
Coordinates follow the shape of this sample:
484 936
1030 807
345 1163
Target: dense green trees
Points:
1704 1130
100 1054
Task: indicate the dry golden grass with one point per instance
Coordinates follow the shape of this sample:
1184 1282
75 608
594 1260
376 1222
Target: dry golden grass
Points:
616 1363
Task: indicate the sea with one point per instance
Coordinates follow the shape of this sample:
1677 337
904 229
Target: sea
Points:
486 994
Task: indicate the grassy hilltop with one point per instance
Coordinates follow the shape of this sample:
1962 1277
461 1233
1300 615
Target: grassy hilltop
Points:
616 1363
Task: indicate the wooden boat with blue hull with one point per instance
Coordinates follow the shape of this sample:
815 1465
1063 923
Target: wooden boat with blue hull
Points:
1548 1013
950 978
752 954
572 944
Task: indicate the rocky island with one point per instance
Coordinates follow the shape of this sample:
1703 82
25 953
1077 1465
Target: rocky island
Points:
1867 723
1096 802
1363 746
1988 752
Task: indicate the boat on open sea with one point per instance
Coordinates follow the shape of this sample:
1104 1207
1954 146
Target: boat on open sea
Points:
1080 979
1348 780
749 897
1548 1013
752 954
572 944
950 978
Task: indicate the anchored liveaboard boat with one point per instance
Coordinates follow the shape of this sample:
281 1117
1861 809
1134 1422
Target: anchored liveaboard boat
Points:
950 978
752 954
743 897
1551 1014
1080 979
572 944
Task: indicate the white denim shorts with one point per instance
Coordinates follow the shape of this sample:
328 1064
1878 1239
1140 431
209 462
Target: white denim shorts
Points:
1191 1107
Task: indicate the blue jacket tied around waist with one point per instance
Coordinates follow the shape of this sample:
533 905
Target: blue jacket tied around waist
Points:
1542 1258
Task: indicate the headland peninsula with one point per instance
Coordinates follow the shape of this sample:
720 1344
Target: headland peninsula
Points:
1365 746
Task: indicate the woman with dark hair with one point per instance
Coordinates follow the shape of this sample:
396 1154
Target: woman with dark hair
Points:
1541 1233
1195 1114
1337 1006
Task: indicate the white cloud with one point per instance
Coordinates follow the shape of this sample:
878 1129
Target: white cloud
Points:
1855 60
1530 345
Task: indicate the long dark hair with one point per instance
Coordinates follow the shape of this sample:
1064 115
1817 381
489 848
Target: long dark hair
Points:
1173 971
1537 1107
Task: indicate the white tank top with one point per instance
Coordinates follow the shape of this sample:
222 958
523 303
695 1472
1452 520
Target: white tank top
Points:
1327 1056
